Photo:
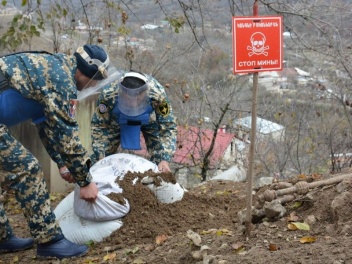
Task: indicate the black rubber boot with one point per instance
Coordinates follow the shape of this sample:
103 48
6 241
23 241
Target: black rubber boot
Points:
61 248
16 244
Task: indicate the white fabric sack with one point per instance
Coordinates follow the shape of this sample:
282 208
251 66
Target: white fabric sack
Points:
104 173
236 173
79 230
117 165
103 209
167 192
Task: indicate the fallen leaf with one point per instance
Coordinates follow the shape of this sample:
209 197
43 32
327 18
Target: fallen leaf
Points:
139 261
306 239
316 176
53 197
15 259
238 247
292 227
222 193
296 205
218 232
159 240
92 260
132 251
302 176
273 247
209 231
109 256
222 232
298 225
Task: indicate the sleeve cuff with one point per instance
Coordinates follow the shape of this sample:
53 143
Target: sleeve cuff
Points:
60 164
165 157
85 182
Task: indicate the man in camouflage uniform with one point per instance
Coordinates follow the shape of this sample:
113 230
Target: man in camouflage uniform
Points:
135 103
42 86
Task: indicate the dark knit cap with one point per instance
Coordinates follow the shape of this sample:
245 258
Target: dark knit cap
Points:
91 70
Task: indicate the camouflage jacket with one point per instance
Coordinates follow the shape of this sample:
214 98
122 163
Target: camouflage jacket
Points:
160 134
49 79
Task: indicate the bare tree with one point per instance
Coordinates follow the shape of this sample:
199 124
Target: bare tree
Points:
191 56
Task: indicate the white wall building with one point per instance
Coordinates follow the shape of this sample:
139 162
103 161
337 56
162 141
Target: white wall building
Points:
265 128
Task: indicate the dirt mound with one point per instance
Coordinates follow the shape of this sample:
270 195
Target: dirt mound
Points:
204 228
208 206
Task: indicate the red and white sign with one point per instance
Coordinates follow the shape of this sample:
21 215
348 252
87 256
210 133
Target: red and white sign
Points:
257 44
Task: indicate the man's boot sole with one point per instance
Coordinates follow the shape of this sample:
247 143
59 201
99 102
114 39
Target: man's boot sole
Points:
4 251
51 257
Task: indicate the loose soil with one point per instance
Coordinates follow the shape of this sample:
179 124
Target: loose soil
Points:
204 227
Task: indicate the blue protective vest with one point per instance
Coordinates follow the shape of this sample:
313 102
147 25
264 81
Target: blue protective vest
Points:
130 127
15 108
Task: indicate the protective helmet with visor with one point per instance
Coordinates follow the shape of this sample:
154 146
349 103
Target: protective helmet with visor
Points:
133 98
133 108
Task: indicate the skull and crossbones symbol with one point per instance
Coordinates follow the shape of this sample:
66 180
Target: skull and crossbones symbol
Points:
258 44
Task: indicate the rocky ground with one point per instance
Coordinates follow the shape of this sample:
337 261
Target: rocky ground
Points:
313 226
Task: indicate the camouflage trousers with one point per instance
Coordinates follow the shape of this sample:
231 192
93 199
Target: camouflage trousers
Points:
21 173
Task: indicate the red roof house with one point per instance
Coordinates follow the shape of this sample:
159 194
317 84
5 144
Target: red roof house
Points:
193 143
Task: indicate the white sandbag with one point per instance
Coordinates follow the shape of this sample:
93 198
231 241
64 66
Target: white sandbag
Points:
104 173
79 230
236 173
166 192
103 209
117 165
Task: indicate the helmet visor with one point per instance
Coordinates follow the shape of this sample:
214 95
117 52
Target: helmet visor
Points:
113 76
133 102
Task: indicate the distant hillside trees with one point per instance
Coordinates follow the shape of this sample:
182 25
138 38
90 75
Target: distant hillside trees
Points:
192 56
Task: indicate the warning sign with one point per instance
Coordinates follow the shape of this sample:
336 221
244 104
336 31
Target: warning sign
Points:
257 44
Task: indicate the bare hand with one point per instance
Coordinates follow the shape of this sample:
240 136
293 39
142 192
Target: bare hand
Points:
164 166
89 193
66 174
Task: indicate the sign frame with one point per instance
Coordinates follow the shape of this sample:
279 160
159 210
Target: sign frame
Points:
262 48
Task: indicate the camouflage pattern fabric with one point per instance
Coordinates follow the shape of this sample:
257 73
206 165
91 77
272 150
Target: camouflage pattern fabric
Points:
49 79
160 134
49 142
25 178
